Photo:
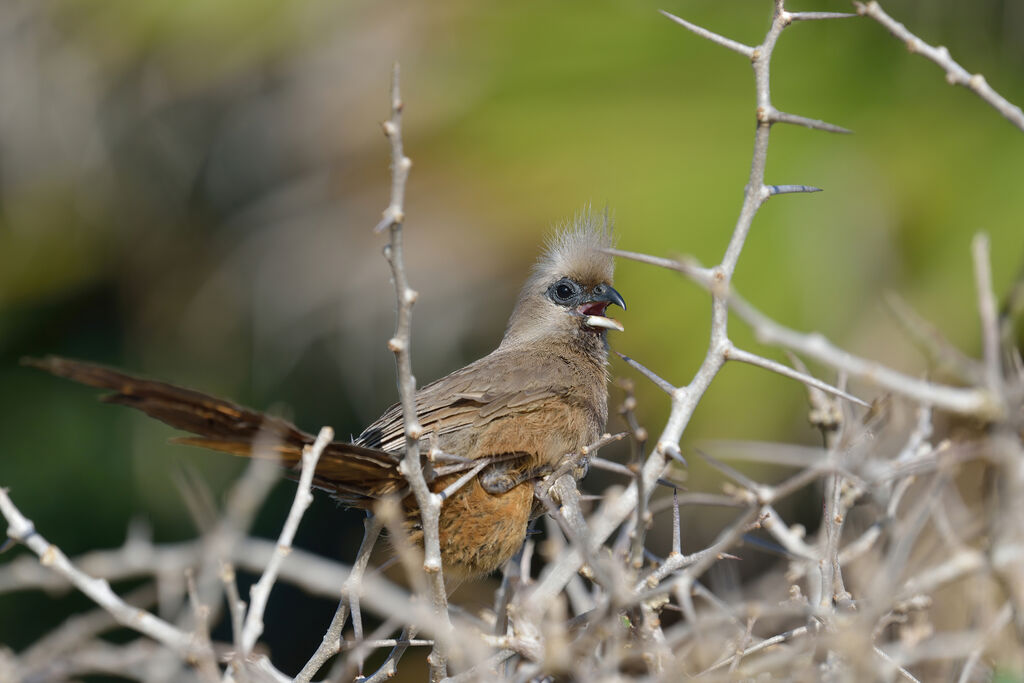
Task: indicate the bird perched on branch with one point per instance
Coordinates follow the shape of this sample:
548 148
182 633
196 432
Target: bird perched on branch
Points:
542 394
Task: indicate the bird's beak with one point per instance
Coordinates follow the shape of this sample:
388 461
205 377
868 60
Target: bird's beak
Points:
596 303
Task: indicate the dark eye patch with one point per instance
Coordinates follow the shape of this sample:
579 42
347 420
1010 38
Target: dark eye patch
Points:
564 292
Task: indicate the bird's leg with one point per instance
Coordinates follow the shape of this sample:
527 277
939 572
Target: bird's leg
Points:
502 477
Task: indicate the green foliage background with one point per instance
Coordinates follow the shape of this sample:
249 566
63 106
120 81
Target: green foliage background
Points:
187 190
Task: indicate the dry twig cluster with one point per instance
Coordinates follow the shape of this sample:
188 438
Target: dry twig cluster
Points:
914 520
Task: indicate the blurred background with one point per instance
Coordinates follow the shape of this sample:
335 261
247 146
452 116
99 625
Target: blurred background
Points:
188 190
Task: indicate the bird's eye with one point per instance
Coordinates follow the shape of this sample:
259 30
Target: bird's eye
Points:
563 291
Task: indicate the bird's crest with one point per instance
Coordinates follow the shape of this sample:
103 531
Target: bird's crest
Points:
575 250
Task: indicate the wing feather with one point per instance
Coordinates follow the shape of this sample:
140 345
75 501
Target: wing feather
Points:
502 383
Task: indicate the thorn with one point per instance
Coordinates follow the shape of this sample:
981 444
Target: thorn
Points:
649 374
727 43
790 189
819 16
794 119
673 452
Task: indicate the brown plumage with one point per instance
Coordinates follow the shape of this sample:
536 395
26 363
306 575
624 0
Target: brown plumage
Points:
540 395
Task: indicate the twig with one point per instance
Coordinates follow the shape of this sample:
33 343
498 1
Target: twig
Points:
733 353
74 633
429 503
696 563
220 537
389 668
236 612
360 645
830 566
452 488
662 384
818 16
742 644
964 401
792 540
676 533
260 592
391 642
572 461
133 660
639 448
686 266
98 590
997 625
987 313
896 666
331 642
487 667
207 664
955 74
419 607
753 649
939 349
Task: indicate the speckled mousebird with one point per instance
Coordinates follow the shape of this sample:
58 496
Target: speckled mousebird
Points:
540 395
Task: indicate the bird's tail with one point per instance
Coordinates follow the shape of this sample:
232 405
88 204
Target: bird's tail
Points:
354 474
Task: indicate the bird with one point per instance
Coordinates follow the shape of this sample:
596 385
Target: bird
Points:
541 395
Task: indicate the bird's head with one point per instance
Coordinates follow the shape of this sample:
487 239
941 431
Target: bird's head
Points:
570 288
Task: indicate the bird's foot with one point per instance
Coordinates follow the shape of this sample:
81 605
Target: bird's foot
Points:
502 477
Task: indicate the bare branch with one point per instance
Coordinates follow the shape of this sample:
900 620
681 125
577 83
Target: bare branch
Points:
303 497
429 503
23 531
207 664
733 353
938 348
955 74
74 633
690 267
987 312
965 401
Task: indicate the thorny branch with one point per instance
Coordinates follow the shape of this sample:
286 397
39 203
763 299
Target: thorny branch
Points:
843 489
303 497
21 529
429 503
897 525
686 398
955 74
976 401
331 643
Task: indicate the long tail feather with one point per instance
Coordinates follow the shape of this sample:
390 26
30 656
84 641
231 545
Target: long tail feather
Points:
352 472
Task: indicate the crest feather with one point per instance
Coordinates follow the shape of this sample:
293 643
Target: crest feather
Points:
575 250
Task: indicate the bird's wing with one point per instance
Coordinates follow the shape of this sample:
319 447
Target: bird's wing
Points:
495 386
